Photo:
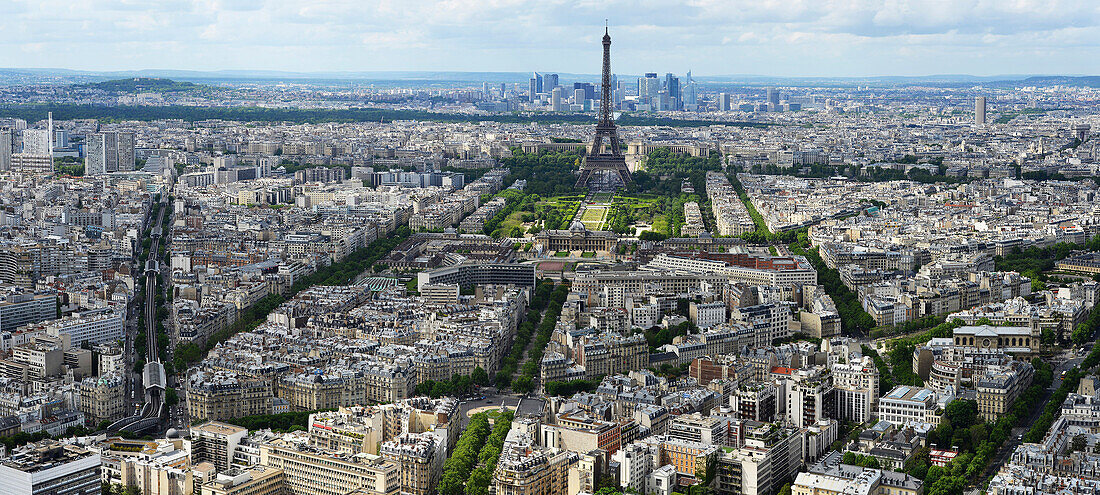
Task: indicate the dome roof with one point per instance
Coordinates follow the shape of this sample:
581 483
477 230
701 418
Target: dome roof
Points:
172 433
577 226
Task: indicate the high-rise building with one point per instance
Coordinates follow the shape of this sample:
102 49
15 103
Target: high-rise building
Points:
578 96
549 82
979 110
533 89
36 141
691 96
106 152
589 89
672 85
723 101
7 148
60 138
773 96
555 99
648 87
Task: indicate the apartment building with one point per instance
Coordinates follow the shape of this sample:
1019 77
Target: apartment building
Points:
523 470
857 390
50 468
312 471
419 457
223 395
103 398
215 442
999 387
771 455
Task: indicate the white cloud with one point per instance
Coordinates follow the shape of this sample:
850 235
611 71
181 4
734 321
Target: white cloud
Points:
782 37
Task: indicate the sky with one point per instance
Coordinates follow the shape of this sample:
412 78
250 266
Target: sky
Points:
709 37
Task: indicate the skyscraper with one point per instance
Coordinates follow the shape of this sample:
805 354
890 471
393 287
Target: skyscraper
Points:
578 96
7 147
36 141
549 82
672 85
532 90
773 96
555 99
539 83
648 87
106 152
691 96
589 89
979 110
724 102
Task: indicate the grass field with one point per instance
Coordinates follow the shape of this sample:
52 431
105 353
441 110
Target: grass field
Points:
564 208
593 217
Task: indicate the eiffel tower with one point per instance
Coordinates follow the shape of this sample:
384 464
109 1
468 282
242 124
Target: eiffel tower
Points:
605 163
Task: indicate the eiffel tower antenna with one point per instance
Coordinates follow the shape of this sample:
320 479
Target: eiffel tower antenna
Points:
600 160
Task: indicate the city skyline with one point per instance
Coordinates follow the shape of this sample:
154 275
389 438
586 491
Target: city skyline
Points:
709 38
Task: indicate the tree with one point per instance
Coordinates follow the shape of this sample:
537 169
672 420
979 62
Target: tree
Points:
522 384
479 376
1079 443
962 413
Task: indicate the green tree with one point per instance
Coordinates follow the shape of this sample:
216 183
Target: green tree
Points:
479 376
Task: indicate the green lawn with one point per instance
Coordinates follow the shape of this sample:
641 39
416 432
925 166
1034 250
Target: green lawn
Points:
593 217
515 219
561 254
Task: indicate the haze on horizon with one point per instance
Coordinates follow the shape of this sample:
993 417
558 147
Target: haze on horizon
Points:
709 37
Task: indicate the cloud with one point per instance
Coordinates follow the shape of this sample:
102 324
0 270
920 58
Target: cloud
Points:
781 37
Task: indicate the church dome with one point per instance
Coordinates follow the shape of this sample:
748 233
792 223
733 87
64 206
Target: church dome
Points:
577 226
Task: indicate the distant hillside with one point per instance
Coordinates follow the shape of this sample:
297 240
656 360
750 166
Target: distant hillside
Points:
145 85
1087 81
1044 81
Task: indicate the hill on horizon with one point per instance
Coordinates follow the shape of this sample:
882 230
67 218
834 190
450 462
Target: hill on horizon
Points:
145 85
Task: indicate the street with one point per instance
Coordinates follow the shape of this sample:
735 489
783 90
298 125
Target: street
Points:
1005 452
